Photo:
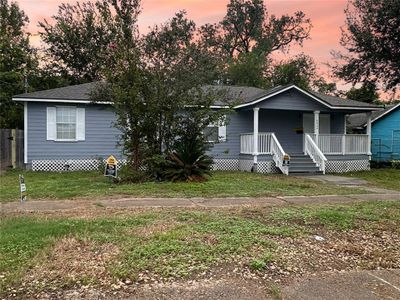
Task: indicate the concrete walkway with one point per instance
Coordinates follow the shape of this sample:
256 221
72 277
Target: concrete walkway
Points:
363 285
63 205
348 181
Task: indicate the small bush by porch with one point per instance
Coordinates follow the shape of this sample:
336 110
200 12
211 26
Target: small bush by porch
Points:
45 185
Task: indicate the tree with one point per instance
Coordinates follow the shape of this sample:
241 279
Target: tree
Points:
371 38
300 70
247 27
366 93
247 69
156 84
16 59
78 42
246 37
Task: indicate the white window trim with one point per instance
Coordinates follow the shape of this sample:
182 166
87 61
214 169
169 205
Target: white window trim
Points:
221 125
76 123
210 126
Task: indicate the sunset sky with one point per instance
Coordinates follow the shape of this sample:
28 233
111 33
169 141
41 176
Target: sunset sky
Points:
327 17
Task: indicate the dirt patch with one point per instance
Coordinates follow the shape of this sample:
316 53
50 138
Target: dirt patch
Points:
344 251
70 262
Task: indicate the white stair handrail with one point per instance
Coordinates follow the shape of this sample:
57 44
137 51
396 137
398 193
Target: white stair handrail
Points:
311 148
277 154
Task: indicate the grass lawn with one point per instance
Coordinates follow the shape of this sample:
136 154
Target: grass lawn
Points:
383 178
45 251
42 185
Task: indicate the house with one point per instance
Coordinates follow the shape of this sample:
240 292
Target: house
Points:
64 129
385 131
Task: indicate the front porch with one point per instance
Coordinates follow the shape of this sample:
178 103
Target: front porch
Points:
317 140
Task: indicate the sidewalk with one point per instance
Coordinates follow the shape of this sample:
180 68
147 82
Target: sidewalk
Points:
63 205
365 285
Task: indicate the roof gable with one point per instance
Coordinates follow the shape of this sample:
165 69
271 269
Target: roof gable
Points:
386 112
331 102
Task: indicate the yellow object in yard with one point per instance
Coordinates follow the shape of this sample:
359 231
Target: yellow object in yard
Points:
111 160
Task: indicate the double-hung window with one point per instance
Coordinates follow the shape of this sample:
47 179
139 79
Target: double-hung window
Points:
216 132
65 123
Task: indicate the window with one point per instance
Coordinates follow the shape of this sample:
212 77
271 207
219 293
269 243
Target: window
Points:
211 133
66 123
215 133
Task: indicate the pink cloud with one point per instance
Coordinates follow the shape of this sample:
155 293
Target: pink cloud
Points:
326 15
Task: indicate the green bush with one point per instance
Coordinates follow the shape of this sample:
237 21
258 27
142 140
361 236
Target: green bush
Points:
127 174
395 164
187 162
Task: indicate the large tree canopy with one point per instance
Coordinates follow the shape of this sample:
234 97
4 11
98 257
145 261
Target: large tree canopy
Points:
78 42
153 79
366 93
247 27
247 35
16 59
371 38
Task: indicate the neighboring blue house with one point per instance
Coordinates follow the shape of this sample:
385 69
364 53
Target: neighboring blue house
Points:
64 128
385 141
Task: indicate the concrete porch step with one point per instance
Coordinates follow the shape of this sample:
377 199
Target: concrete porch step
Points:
305 173
303 168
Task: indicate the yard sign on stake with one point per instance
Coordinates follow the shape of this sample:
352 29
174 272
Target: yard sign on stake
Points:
111 167
22 188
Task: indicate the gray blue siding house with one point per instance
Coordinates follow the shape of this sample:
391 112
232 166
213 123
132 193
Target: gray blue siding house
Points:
64 128
385 132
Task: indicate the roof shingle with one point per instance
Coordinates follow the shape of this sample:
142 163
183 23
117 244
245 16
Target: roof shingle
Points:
243 94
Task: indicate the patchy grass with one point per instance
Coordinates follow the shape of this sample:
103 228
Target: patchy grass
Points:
175 243
41 185
383 178
339 217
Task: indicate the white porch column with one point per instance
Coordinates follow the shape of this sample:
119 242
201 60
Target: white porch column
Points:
344 135
369 118
255 134
316 125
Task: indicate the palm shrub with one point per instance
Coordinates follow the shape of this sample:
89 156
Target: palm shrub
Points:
187 161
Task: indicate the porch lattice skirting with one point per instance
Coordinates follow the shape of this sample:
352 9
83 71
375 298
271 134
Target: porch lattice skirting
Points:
342 166
262 166
226 164
60 165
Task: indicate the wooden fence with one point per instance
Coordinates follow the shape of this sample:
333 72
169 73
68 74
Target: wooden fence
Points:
11 148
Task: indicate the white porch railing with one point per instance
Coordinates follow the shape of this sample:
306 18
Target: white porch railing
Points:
342 143
278 154
247 143
267 144
311 148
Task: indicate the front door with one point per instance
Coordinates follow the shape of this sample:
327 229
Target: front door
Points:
308 124
324 123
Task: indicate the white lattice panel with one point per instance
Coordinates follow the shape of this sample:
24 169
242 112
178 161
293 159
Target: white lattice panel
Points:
267 167
226 164
60 165
342 166
246 165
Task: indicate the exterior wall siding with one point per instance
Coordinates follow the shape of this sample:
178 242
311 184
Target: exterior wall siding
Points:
100 138
238 123
385 134
293 100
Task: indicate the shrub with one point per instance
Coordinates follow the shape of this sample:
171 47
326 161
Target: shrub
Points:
187 162
127 174
395 164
